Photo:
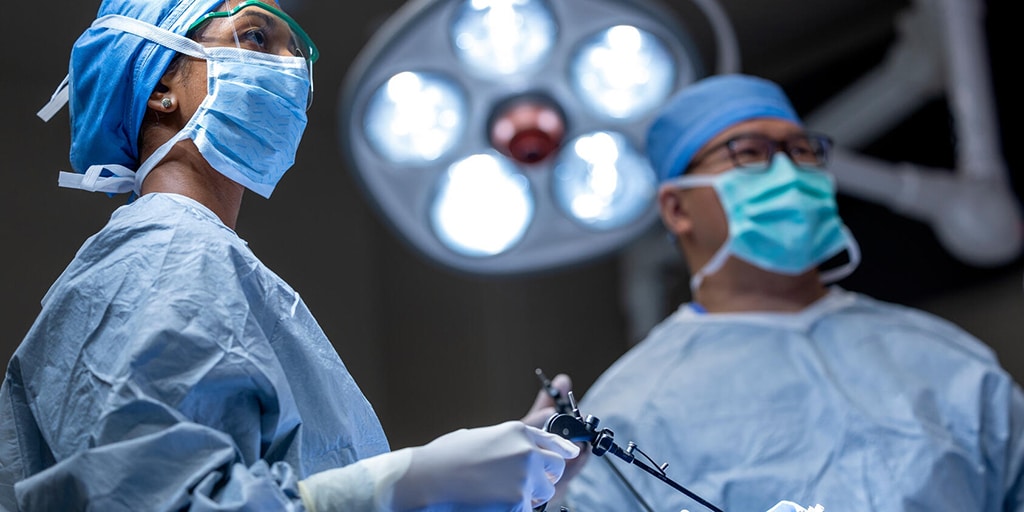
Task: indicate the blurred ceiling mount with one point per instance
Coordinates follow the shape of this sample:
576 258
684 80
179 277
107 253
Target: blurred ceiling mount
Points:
972 208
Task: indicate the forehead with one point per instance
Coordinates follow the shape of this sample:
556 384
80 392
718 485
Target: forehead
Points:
248 15
253 7
231 4
769 127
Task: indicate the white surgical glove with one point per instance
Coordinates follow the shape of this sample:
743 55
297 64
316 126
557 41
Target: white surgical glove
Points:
511 464
789 506
364 486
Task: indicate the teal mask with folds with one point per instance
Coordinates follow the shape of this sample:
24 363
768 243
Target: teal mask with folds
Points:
783 219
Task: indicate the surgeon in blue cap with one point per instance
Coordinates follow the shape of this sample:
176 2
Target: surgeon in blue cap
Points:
169 369
774 382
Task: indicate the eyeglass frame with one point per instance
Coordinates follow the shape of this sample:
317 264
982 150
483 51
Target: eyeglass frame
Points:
824 142
314 53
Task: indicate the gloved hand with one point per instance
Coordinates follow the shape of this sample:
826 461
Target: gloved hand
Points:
510 463
789 506
364 486
544 405
543 409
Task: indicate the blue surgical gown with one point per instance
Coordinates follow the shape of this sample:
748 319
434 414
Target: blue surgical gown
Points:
854 404
170 369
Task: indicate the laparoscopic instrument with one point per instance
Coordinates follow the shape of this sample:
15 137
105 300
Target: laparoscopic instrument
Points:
570 424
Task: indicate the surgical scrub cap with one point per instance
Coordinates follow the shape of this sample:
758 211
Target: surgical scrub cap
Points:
112 74
700 111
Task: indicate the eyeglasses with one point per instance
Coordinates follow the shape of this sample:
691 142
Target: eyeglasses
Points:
300 43
754 152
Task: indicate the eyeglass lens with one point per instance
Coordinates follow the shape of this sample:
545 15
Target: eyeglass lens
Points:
756 152
258 26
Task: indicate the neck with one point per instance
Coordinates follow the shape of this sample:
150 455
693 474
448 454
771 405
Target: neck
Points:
188 174
739 286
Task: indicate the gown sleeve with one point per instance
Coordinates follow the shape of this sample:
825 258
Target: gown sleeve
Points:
167 396
169 369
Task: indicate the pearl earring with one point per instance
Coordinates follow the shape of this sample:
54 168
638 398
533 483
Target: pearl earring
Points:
166 102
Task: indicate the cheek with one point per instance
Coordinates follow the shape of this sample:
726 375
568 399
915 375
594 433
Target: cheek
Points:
709 218
193 88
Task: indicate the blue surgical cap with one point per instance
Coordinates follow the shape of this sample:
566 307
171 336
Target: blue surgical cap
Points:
702 110
112 74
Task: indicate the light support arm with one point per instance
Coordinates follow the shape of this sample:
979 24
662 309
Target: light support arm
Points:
971 208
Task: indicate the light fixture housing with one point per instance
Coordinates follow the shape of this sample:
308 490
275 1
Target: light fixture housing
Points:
512 89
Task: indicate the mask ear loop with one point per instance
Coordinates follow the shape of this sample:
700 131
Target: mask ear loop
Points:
309 100
835 274
722 254
852 248
712 266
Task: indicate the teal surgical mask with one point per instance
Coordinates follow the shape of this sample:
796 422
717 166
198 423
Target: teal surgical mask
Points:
783 219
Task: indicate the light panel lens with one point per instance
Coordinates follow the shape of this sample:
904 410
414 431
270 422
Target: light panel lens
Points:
483 206
414 118
622 72
602 181
497 38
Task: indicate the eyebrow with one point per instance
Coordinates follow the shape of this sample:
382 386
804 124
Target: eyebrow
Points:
762 135
708 149
266 18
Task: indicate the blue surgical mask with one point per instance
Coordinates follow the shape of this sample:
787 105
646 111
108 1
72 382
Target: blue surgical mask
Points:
248 127
783 219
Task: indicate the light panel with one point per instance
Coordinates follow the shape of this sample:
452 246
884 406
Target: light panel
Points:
506 136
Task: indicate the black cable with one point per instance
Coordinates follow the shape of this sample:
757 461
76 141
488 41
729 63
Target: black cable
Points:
611 465
658 473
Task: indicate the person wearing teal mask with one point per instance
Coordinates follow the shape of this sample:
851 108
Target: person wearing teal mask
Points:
773 381
169 368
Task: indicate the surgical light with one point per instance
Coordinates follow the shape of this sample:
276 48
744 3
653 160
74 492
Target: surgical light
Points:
506 136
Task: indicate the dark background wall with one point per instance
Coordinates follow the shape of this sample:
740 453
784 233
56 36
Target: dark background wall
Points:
435 349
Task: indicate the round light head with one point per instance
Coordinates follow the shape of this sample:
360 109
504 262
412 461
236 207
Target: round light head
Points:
496 135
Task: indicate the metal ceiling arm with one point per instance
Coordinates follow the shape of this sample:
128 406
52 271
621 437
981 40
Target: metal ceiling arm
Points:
972 208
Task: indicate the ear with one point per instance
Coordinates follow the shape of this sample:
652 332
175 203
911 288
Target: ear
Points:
674 212
162 99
